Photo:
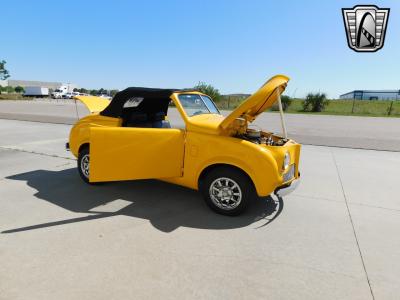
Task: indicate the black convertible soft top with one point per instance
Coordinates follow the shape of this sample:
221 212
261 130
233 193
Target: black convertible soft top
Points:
152 100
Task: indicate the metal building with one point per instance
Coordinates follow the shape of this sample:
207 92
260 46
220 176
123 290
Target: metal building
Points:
30 83
372 95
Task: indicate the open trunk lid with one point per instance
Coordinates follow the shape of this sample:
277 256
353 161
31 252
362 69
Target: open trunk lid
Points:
94 104
261 100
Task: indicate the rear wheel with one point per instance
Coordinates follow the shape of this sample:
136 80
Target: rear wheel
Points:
84 164
227 190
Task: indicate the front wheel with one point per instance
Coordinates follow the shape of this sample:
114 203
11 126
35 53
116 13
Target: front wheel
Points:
227 190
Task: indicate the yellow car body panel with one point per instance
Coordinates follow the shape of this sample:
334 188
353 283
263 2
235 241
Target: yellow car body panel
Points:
94 104
80 132
204 150
181 156
257 103
119 153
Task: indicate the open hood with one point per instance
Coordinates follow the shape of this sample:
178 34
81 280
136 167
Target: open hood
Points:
93 103
261 100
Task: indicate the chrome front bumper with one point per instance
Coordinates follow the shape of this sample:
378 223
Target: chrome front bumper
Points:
287 188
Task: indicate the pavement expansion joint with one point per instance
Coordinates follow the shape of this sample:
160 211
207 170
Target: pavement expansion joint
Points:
35 152
352 225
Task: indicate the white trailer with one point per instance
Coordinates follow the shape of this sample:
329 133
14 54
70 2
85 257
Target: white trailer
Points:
36 91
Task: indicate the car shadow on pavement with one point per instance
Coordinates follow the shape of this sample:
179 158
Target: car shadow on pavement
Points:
165 205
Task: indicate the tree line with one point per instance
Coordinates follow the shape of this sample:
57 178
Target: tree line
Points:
97 92
11 89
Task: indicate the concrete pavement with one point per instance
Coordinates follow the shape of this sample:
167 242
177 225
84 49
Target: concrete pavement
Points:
338 131
336 237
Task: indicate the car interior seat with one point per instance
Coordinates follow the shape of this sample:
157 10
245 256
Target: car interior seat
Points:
136 119
140 119
158 121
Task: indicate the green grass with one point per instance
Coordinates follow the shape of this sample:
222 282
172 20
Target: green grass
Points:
361 107
229 102
372 108
13 97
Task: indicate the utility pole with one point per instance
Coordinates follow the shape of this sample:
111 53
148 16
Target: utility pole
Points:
354 102
390 108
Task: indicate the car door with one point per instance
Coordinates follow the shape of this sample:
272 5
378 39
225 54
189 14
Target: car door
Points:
126 153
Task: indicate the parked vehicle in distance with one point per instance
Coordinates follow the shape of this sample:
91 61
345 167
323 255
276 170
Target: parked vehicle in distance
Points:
67 96
131 138
105 96
60 92
36 91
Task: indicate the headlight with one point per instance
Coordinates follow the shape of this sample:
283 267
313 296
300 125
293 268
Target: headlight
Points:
286 161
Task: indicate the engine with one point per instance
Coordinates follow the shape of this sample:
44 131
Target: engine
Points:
263 138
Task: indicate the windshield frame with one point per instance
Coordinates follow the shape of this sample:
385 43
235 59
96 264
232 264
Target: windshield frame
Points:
207 104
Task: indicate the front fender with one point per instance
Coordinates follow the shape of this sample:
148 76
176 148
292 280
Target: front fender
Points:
261 168
256 161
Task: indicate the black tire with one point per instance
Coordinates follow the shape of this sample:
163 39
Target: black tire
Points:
221 187
83 154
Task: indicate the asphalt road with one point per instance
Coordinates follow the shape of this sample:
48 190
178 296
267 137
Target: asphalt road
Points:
335 237
338 131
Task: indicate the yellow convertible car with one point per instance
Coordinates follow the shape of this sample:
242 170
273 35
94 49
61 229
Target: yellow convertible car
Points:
130 137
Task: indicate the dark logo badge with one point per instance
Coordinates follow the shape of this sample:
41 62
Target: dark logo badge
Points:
365 27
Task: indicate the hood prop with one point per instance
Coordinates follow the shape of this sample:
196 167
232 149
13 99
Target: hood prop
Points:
281 114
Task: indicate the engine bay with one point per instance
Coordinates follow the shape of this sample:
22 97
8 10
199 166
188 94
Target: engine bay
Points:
262 138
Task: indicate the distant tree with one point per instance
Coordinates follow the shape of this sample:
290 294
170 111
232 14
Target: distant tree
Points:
209 90
113 92
286 101
102 91
93 92
315 102
4 74
76 90
83 91
19 89
10 89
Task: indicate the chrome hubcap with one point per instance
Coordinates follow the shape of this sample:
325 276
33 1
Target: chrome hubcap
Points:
85 165
225 193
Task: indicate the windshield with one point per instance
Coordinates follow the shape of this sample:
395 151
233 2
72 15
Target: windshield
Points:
195 104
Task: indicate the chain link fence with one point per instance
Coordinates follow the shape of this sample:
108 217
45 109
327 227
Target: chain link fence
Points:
355 107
